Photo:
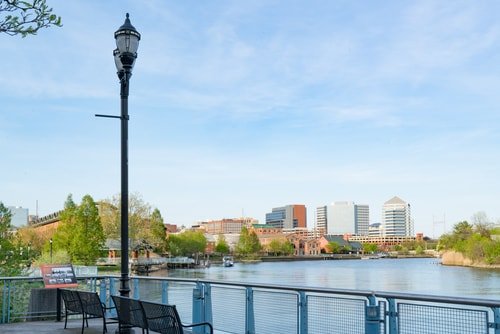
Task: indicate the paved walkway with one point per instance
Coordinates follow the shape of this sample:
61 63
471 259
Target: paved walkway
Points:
49 327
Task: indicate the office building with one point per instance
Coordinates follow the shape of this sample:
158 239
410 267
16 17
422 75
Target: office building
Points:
396 218
19 216
344 218
227 225
289 216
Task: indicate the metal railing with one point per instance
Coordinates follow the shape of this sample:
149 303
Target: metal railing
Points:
247 308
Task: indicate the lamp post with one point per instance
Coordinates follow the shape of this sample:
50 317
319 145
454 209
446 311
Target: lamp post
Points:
50 250
127 41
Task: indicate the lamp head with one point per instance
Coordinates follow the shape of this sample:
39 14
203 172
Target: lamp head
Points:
127 42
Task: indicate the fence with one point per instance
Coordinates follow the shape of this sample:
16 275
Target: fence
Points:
241 308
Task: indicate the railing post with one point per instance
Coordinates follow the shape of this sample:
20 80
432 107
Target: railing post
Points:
372 316
393 316
135 284
102 291
303 329
112 287
496 320
8 302
58 305
208 306
198 307
4 301
164 292
250 317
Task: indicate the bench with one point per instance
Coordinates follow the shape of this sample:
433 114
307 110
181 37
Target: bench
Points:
72 305
161 318
88 305
130 312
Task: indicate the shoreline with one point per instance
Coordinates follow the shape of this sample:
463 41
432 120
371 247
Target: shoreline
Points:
452 258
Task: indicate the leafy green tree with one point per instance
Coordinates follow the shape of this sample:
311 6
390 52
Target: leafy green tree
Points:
222 246
80 232
248 243
370 248
88 236
188 243
274 247
280 247
333 247
63 236
287 247
14 255
26 17
145 225
158 232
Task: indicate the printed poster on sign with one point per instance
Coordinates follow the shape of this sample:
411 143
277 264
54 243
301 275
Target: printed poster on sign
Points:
58 276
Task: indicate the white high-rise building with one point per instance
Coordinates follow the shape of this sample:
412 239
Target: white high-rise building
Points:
321 218
396 218
344 218
19 216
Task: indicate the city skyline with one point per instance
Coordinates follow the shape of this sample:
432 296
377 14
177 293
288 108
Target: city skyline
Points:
236 108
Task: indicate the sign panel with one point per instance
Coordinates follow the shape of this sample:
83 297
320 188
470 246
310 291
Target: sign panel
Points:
58 276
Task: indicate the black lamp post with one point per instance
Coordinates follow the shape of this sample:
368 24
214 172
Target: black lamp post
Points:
127 42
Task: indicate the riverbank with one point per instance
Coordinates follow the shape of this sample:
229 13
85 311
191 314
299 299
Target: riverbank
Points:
452 258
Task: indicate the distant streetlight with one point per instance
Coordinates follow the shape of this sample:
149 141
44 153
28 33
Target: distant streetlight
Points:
127 42
50 250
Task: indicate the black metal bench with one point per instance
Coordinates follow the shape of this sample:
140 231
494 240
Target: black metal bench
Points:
130 312
88 305
156 317
72 305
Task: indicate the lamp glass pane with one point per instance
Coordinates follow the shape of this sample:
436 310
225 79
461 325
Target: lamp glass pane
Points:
118 62
127 41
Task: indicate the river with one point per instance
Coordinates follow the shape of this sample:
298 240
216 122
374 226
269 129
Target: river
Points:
422 276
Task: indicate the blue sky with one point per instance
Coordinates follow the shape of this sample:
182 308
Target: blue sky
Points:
241 106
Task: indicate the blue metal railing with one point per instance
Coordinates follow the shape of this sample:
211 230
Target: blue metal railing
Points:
246 308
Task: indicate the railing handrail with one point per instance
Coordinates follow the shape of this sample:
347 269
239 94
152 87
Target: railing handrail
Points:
360 293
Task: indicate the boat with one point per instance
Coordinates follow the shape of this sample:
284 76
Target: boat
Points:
227 261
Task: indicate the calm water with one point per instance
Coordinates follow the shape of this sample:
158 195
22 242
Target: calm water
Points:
424 276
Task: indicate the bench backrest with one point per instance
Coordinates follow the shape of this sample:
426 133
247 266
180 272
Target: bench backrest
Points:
71 300
91 303
130 312
162 318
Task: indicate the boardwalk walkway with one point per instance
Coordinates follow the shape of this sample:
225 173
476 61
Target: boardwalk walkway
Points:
49 327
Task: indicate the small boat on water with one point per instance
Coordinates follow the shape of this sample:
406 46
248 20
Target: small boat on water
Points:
227 261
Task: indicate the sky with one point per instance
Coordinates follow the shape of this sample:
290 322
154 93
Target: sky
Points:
237 107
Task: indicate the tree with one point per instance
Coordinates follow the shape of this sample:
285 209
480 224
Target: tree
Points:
333 247
26 17
80 233
188 243
280 247
145 224
13 254
370 248
158 232
88 236
275 247
248 243
221 246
